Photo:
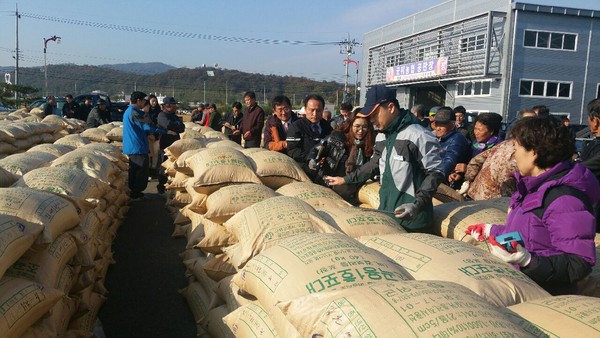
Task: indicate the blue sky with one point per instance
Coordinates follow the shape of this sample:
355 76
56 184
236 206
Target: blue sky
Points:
83 42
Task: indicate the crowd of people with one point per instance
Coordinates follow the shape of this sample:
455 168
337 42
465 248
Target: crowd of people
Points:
554 194
554 191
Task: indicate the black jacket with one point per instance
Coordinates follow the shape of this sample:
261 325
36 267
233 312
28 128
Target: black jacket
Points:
590 157
332 161
173 124
233 120
301 139
98 117
214 120
83 112
69 110
49 109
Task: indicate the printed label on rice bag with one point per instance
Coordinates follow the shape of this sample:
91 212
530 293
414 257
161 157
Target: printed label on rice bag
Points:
316 263
426 309
21 301
563 315
10 231
467 260
15 202
281 220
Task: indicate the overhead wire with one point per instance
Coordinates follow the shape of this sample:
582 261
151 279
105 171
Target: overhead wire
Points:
173 33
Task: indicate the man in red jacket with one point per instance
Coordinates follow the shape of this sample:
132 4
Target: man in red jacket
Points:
277 125
253 121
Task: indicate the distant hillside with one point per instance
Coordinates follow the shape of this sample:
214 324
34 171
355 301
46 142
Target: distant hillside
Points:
149 68
187 85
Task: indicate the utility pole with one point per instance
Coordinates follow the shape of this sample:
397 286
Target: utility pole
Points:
347 47
17 17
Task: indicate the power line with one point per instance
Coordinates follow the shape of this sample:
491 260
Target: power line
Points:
172 33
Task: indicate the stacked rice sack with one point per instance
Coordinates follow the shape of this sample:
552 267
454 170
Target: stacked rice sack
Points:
22 130
107 133
58 224
35 115
66 126
271 254
18 136
213 180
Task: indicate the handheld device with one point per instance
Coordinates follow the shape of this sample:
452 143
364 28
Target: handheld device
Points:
505 240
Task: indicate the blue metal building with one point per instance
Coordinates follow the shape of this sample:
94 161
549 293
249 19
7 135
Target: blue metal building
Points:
489 56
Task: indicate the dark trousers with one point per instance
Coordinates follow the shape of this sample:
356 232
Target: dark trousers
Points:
139 169
252 143
162 174
236 138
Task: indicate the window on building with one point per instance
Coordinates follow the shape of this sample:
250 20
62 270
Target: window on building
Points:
545 88
390 61
472 43
598 91
473 88
550 40
426 53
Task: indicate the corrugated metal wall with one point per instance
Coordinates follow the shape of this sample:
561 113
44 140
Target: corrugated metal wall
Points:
581 67
557 65
436 16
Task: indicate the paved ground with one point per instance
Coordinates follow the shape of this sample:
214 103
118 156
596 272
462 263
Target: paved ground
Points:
143 300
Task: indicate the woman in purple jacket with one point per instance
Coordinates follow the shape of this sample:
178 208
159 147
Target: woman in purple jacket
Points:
551 210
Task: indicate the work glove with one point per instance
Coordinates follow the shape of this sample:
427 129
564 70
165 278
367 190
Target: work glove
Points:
479 231
406 211
464 188
519 254
313 164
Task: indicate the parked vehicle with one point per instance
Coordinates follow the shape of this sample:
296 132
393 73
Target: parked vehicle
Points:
119 110
115 108
41 103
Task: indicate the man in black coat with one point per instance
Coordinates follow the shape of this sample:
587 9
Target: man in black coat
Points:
84 109
590 156
168 119
69 109
50 108
305 133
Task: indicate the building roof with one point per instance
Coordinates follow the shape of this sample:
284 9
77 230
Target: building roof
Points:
556 10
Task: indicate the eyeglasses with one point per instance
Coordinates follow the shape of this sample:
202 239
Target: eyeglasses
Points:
282 109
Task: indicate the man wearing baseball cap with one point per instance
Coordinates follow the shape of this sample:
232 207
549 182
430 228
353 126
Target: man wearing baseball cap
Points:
99 115
406 157
168 120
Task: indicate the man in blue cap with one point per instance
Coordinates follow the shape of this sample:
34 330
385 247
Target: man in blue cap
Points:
406 156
